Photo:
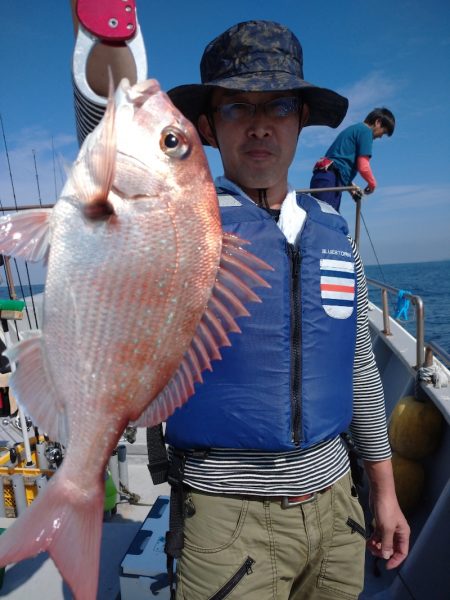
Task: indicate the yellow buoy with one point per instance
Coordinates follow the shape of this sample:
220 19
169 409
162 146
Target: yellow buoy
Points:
415 428
409 478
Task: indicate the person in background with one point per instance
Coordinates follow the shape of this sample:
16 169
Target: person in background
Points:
269 509
349 154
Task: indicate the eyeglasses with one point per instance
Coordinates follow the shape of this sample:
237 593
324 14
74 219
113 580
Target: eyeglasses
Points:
277 108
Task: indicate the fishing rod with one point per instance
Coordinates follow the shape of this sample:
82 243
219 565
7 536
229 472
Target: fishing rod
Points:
37 178
26 264
9 279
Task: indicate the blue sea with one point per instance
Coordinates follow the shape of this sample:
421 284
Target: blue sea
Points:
429 280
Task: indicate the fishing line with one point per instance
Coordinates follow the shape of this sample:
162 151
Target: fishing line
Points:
373 248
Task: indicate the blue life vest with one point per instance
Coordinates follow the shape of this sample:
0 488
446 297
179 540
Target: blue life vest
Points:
287 380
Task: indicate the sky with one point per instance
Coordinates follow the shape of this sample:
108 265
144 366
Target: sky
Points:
393 54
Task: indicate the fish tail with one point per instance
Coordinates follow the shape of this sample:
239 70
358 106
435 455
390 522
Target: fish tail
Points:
67 523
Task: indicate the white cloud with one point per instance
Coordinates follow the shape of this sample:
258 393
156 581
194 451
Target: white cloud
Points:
51 155
374 89
406 223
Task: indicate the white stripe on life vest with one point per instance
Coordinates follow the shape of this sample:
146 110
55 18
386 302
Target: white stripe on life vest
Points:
337 265
337 281
338 295
338 312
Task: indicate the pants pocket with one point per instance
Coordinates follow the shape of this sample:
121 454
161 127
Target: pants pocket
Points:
214 565
215 523
342 570
233 582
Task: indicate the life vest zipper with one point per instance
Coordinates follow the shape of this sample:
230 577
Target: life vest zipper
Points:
296 341
245 569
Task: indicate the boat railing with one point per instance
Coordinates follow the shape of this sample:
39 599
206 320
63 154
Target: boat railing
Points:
417 302
438 351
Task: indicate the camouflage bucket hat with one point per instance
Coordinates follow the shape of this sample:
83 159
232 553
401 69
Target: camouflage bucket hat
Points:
257 56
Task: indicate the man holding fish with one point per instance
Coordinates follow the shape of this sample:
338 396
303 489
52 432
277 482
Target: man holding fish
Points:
270 508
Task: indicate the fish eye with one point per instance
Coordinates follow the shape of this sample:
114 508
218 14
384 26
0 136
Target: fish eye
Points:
174 143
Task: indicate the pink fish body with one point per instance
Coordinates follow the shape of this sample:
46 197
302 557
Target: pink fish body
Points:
142 288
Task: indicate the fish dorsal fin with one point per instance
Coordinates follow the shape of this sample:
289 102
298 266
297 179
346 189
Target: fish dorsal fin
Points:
33 388
94 171
26 234
236 277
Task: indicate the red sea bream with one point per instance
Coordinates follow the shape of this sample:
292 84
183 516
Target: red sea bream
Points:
142 289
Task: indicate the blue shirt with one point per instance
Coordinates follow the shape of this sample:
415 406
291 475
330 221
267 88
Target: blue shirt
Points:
354 141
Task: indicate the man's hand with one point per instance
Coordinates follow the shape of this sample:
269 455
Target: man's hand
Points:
357 194
369 190
390 538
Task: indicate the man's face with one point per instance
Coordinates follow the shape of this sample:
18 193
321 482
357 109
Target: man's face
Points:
257 149
378 130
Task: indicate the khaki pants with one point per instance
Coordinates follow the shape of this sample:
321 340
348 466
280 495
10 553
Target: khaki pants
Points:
239 548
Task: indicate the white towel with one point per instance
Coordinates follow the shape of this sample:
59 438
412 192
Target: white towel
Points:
292 217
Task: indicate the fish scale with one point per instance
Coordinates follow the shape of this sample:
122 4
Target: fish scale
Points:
142 289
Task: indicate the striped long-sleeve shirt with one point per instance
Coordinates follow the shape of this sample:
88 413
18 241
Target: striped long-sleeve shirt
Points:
301 471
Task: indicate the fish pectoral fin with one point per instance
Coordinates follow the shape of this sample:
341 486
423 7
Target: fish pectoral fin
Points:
32 385
26 234
176 392
235 279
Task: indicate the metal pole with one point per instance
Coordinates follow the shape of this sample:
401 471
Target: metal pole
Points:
42 461
343 188
357 222
123 464
23 421
420 330
443 355
386 324
41 483
9 278
114 470
19 493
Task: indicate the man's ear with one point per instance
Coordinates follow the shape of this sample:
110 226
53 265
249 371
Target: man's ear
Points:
205 129
304 116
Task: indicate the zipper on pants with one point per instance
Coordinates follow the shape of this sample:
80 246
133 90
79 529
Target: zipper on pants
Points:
245 569
296 340
356 527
